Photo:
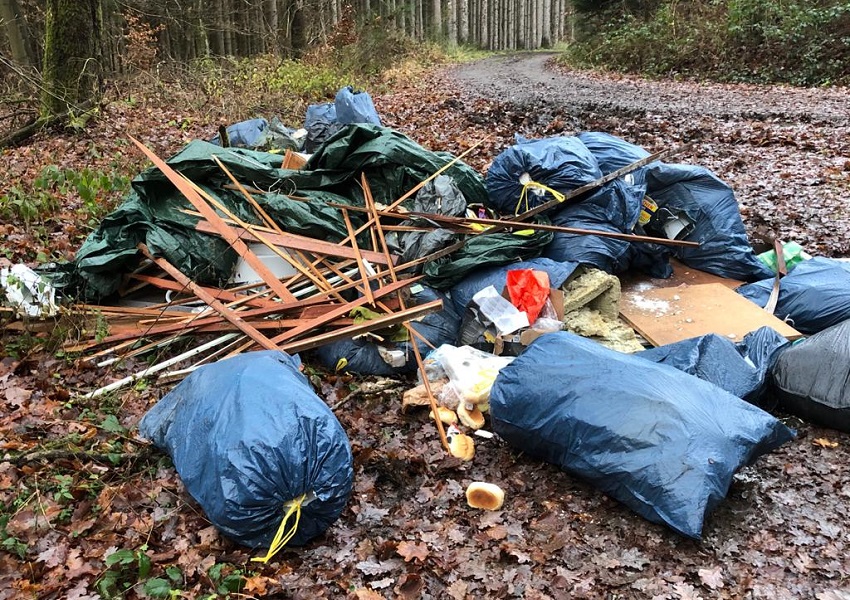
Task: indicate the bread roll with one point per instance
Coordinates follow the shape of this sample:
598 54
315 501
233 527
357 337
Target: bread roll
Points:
488 496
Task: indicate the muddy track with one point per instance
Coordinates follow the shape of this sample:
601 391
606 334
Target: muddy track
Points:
531 78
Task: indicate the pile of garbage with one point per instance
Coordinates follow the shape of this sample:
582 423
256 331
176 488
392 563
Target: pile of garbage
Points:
350 240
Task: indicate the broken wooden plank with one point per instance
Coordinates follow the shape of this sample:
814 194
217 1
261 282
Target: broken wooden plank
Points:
297 242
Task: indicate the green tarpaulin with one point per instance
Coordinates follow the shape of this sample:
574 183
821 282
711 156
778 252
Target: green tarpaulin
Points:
152 212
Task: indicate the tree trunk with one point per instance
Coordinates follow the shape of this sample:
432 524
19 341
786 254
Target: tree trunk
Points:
202 42
18 32
274 27
72 54
437 20
485 32
546 40
227 28
451 23
300 35
463 18
522 24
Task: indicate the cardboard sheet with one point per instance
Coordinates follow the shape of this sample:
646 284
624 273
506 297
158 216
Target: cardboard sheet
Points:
670 314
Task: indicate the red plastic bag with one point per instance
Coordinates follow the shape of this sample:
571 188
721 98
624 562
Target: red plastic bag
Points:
528 290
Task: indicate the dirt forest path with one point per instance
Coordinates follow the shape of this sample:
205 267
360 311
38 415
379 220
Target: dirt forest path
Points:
530 78
785 150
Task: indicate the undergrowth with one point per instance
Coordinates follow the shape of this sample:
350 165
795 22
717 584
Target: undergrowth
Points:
800 42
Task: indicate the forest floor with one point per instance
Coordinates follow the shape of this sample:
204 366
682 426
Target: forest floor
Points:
87 508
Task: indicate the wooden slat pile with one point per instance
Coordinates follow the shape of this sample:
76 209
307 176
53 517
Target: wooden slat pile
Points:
303 311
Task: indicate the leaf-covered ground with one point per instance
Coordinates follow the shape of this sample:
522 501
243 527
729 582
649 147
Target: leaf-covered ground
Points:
87 509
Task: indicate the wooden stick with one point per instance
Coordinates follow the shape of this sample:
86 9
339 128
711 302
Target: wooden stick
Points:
189 191
343 310
225 312
601 181
320 281
499 224
293 241
371 325
431 400
367 289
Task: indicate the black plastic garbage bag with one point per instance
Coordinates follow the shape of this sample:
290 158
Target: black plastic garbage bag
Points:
810 378
740 369
477 280
439 196
366 357
663 442
560 163
321 124
247 436
355 107
813 296
709 206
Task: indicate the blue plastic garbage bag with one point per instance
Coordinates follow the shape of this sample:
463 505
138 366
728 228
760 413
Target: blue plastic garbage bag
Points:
813 296
561 163
810 378
462 292
364 356
740 369
355 107
710 205
613 208
245 134
247 436
321 123
612 153
663 442
259 134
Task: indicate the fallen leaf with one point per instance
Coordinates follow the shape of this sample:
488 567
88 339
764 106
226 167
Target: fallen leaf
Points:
381 583
412 550
711 578
410 586
825 443
457 590
374 567
367 594
16 396
257 584
77 566
53 556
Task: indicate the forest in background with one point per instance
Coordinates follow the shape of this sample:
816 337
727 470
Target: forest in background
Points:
64 52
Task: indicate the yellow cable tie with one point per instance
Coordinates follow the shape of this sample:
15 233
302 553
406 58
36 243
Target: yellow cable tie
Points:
282 537
523 196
